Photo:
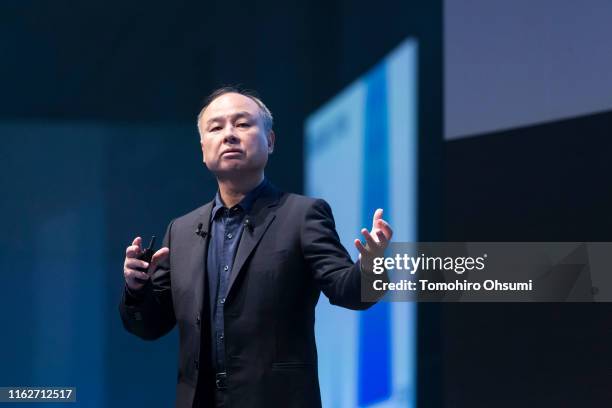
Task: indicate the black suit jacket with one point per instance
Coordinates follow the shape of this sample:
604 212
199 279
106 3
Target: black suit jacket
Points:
284 260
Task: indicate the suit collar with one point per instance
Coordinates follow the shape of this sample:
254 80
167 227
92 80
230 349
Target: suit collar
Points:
259 217
202 223
267 196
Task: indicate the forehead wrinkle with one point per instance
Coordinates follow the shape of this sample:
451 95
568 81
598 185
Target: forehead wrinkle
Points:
235 115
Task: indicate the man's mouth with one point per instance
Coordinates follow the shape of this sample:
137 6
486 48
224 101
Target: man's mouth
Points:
232 153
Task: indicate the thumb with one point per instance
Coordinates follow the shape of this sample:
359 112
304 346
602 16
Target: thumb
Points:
158 257
137 242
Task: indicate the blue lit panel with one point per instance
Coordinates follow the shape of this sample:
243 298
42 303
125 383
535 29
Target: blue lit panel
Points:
361 154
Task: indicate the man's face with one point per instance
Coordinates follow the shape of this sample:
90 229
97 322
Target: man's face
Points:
233 137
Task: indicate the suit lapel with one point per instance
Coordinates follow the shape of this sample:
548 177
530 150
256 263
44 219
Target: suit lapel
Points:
259 219
201 235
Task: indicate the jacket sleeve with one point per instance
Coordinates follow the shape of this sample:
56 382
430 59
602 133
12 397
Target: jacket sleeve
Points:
149 313
338 276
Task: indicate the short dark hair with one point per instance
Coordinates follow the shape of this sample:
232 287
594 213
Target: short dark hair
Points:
266 115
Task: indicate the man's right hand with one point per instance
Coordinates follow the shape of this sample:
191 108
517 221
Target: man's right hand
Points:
132 266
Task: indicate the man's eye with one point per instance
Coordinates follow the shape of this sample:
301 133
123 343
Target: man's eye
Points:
215 129
244 125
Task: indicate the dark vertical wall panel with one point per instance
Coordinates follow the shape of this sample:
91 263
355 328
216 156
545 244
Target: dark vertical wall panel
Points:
542 183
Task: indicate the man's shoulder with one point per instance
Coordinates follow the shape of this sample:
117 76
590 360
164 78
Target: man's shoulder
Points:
193 217
300 201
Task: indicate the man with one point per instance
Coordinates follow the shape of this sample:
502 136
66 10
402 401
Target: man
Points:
242 275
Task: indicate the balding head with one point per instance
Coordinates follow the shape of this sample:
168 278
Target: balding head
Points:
264 112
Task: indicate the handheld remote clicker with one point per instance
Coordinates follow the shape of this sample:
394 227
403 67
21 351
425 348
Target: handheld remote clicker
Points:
146 256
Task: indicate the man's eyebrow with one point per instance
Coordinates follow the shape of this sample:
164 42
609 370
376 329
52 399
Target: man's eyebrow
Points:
236 115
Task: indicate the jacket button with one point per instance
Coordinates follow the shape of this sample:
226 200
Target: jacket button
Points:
198 320
196 363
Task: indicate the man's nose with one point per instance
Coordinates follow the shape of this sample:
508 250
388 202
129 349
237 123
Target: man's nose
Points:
229 135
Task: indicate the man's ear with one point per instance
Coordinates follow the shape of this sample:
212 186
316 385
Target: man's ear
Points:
203 155
271 139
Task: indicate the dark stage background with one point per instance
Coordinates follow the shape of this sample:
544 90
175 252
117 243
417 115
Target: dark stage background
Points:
99 144
547 183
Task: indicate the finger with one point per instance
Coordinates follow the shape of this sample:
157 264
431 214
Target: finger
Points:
385 228
377 216
138 242
136 264
382 223
133 273
135 285
160 255
388 233
382 239
362 250
132 251
369 239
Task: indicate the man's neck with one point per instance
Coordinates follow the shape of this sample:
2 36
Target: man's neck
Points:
233 190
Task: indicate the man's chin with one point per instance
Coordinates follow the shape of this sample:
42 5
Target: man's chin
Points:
233 171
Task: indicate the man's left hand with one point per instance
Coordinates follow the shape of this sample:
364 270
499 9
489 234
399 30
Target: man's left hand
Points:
376 240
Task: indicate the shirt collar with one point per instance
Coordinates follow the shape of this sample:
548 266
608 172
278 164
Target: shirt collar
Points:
245 205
